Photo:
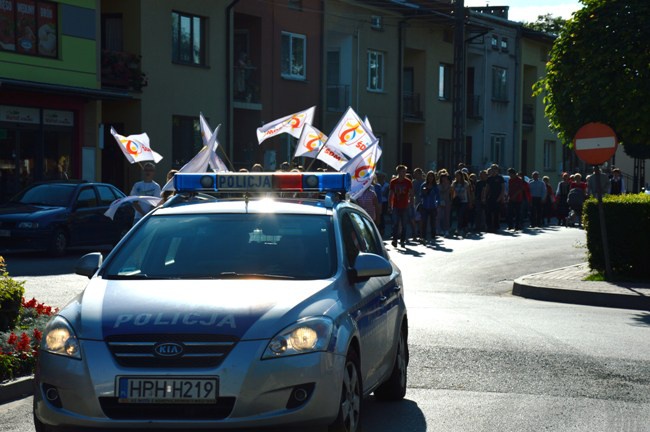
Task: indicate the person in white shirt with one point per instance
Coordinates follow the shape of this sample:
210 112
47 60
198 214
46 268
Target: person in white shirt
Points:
146 187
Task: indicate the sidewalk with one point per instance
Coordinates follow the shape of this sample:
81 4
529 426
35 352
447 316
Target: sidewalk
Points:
567 285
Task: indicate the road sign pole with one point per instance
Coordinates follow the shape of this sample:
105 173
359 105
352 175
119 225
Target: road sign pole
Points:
603 228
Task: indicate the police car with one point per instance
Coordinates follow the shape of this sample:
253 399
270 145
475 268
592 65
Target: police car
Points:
268 301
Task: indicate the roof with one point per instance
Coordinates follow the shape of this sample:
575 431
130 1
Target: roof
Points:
308 206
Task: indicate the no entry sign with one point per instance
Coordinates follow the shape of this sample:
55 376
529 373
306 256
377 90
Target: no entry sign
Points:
595 143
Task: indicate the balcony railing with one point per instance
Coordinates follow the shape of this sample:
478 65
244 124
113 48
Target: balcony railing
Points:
474 107
122 70
528 115
412 107
338 97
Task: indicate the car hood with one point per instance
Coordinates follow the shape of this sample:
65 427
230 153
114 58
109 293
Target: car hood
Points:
244 309
17 211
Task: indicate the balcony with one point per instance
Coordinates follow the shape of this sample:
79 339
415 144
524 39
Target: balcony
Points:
121 70
338 97
528 116
412 107
474 107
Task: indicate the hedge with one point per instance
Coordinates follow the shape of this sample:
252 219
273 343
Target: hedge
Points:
627 220
11 296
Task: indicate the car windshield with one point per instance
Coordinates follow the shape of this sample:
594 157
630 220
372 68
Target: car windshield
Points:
227 246
55 195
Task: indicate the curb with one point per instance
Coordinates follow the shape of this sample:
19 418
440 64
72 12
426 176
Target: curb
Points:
16 389
626 299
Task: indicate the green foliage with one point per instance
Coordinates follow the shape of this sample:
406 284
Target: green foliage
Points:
11 294
599 71
547 24
627 220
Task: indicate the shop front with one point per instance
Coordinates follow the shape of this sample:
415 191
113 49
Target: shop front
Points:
36 144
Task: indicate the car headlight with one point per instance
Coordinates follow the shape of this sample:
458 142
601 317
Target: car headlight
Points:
28 225
306 335
60 338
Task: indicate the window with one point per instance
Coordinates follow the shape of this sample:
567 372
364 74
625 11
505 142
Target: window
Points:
495 42
295 5
188 39
276 246
87 198
499 84
375 70
112 26
504 44
186 139
549 155
20 20
497 148
294 55
106 195
444 82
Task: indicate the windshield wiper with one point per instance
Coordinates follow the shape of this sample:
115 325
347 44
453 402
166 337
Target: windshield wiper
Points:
128 276
234 275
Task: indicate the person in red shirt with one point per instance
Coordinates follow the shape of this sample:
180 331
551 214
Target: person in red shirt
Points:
516 195
400 197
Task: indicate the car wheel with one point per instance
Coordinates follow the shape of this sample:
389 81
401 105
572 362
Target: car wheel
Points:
394 388
58 243
350 406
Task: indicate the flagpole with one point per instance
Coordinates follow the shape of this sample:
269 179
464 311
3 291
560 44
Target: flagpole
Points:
227 159
316 157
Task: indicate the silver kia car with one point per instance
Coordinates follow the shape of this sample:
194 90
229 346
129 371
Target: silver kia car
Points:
269 301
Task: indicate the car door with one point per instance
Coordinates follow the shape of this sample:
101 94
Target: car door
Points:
369 311
85 222
112 227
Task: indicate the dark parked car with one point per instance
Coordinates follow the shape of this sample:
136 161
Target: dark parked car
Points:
56 215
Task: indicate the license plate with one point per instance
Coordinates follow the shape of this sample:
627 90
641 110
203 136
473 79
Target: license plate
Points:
5 233
177 390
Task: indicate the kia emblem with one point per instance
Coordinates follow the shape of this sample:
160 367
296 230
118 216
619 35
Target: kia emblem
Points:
168 349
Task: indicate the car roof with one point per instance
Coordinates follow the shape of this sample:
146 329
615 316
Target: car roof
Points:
239 205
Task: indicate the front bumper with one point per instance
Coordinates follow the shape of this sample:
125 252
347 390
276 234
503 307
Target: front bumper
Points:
252 392
23 239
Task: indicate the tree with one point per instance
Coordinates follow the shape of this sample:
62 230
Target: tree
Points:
599 71
547 24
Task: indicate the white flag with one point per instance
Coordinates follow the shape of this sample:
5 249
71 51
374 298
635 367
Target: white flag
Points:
310 142
210 141
291 124
362 169
366 121
136 148
332 157
199 163
115 205
351 136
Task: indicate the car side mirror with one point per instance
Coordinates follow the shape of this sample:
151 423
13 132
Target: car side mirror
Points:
369 265
88 264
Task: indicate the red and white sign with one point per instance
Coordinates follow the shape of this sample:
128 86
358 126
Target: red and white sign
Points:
595 143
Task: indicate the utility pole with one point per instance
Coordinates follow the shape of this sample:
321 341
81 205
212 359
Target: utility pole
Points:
458 94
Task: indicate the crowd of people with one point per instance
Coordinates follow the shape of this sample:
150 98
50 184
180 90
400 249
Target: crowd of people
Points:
433 204
456 204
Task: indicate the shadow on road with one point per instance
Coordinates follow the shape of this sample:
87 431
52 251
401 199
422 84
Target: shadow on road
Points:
402 416
642 319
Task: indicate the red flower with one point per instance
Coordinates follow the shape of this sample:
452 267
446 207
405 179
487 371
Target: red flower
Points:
30 304
12 339
38 335
23 345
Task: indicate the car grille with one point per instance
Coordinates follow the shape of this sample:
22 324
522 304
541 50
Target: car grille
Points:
142 411
198 350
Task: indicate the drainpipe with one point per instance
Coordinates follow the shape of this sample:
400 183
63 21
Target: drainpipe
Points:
229 65
516 124
400 89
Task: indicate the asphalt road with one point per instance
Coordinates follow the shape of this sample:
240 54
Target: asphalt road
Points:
481 359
